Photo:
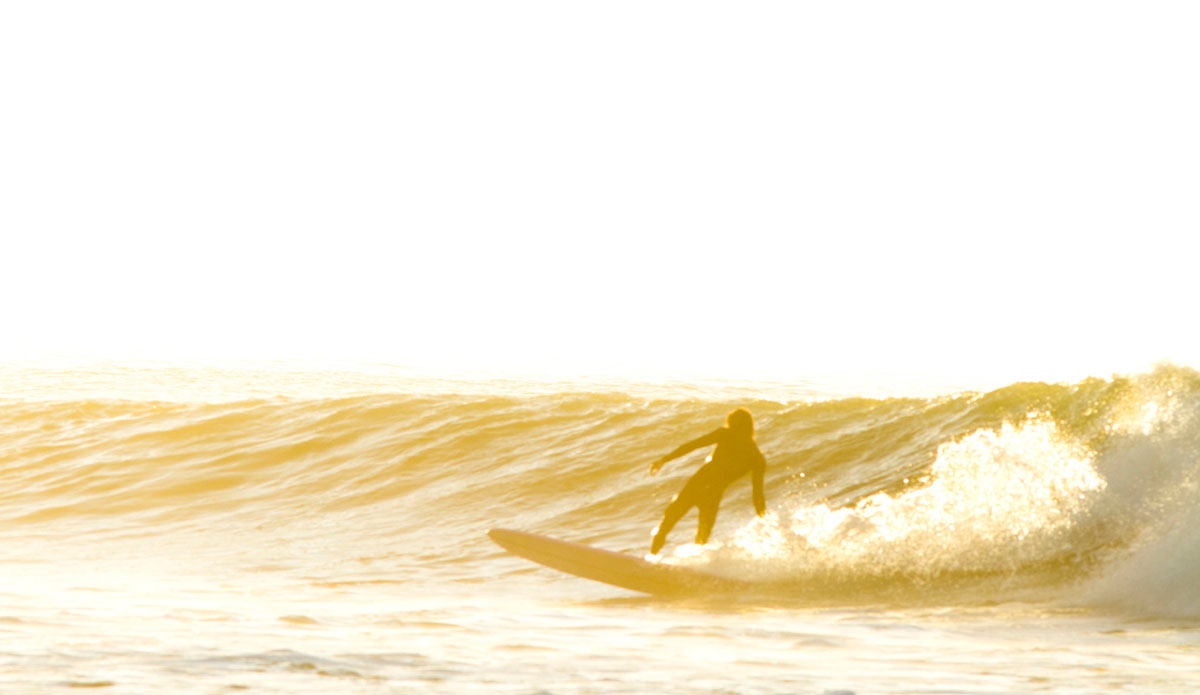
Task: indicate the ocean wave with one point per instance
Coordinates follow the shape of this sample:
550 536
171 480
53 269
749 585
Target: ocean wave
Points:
1033 484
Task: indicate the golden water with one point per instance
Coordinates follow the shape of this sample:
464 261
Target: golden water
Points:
291 530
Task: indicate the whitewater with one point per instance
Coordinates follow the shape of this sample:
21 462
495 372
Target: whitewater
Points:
278 530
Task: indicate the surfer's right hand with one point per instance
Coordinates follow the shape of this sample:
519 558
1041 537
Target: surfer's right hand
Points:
657 465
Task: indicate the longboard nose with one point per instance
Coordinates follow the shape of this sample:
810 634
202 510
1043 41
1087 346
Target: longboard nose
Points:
506 538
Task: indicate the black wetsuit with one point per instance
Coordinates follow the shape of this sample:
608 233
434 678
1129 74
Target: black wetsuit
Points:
735 456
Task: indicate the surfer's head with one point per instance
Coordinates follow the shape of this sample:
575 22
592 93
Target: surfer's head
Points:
740 422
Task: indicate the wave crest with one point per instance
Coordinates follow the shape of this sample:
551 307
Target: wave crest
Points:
1031 485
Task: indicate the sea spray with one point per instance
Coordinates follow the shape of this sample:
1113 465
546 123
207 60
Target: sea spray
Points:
994 501
1154 469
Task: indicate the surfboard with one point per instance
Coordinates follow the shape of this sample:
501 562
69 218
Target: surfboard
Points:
617 569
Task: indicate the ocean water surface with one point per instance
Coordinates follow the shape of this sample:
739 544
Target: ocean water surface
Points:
282 530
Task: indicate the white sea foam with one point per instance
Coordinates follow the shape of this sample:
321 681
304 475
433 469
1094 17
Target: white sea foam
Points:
993 501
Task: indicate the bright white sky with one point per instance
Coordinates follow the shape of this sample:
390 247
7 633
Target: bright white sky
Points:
978 189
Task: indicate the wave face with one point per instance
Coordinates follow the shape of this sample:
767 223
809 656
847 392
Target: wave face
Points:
1087 489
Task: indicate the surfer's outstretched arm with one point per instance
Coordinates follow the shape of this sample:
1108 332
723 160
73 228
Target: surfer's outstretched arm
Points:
756 481
707 440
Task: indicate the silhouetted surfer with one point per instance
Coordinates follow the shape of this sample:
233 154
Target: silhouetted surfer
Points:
735 456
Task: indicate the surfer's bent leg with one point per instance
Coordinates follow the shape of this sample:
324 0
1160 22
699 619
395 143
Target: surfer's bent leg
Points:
698 488
675 511
708 516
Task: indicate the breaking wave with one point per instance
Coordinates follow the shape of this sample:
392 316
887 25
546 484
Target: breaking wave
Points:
1083 490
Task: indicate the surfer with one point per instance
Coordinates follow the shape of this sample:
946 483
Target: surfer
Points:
735 456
